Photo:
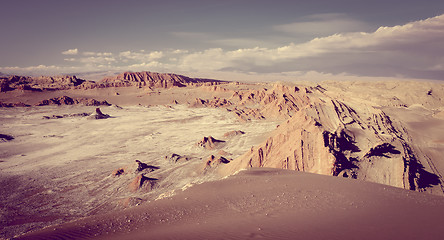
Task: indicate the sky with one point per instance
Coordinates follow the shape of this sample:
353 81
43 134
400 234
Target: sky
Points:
232 40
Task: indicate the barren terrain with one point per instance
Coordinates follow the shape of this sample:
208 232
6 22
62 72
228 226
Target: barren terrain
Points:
61 159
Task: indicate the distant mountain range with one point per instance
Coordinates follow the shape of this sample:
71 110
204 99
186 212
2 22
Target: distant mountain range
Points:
126 79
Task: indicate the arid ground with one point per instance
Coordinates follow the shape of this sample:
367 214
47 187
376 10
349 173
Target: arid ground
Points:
163 156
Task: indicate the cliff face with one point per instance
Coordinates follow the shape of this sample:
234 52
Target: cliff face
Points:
327 136
154 80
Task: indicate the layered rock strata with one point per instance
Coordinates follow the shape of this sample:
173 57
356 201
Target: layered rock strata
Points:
324 135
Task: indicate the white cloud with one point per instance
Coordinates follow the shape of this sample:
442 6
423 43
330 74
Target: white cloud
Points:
38 70
141 56
154 65
97 60
97 54
412 50
406 50
180 51
73 51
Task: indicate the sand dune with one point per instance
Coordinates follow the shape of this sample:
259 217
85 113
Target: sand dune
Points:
270 204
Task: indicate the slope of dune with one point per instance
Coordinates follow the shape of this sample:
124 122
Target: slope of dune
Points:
266 203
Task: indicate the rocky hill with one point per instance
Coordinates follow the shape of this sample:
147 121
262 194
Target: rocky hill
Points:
126 79
9 83
153 80
326 134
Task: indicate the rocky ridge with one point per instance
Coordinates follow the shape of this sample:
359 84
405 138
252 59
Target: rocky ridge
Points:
154 80
41 83
126 79
323 134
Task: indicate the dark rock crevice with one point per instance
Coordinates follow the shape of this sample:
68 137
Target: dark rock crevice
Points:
341 145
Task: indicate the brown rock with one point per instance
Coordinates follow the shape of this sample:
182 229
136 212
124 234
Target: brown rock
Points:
144 167
142 182
98 115
5 137
65 100
209 143
175 158
118 172
215 102
214 161
9 105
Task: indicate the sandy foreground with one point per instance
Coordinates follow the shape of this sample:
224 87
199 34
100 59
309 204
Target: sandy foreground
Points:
270 204
67 176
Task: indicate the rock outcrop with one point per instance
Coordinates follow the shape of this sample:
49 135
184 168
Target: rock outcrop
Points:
143 167
153 80
210 143
18 104
176 158
141 182
215 102
6 137
327 136
98 115
278 102
126 79
65 100
118 172
213 162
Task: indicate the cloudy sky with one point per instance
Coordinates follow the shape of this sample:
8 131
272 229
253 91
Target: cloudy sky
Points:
225 39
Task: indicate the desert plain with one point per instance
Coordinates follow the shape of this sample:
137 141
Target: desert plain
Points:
143 155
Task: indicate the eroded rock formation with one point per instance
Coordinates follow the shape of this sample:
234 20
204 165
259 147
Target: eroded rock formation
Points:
327 136
6 137
98 115
210 143
176 158
18 104
65 100
213 162
126 79
39 83
141 166
141 182
153 80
